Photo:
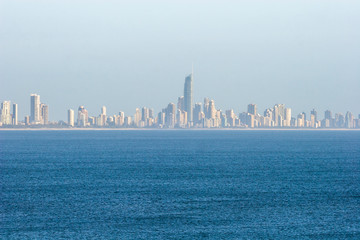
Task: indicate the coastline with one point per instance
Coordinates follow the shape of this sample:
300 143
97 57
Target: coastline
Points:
179 129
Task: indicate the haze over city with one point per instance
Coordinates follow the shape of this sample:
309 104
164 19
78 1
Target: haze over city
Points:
130 54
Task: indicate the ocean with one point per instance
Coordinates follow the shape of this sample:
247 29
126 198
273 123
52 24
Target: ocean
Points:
180 184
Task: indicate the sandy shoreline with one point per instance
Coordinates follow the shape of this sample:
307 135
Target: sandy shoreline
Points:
179 129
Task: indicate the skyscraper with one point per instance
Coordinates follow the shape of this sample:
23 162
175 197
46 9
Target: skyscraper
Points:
5 113
103 110
252 109
102 118
314 112
71 117
15 114
181 103
170 115
328 114
287 118
83 117
144 114
279 114
44 112
137 117
34 108
197 111
188 96
212 109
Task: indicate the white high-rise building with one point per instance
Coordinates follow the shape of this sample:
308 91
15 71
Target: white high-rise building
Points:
83 117
287 117
5 115
103 110
35 108
71 117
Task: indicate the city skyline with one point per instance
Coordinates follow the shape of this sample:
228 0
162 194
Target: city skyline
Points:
39 113
184 114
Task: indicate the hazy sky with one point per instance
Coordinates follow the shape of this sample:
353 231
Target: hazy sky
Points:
128 54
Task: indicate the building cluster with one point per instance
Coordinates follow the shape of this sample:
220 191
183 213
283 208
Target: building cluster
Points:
39 113
183 115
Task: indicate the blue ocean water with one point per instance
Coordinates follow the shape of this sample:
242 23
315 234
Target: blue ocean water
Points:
180 184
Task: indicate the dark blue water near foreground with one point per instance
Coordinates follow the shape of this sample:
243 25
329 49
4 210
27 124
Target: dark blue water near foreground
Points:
180 184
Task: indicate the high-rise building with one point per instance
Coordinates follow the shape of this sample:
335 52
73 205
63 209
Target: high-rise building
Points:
15 114
170 115
71 120
103 110
312 121
314 112
328 114
339 120
27 120
301 120
137 117
102 119
349 120
287 117
151 113
5 115
230 117
197 113
206 107
35 108
144 114
188 96
278 114
121 118
44 112
212 109
83 117
252 109
181 103
181 118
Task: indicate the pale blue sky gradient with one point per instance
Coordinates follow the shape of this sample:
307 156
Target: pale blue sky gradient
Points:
128 54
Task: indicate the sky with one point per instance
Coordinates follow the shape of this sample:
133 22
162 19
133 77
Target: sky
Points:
129 54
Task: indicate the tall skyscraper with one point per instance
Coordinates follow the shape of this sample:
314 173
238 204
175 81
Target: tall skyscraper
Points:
83 117
212 109
197 113
349 120
314 112
278 114
170 115
101 120
328 114
122 118
188 96
151 113
252 109
15 114
287 118
35 108
144 114
137 117
44 112
71 117
103 110
5 114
